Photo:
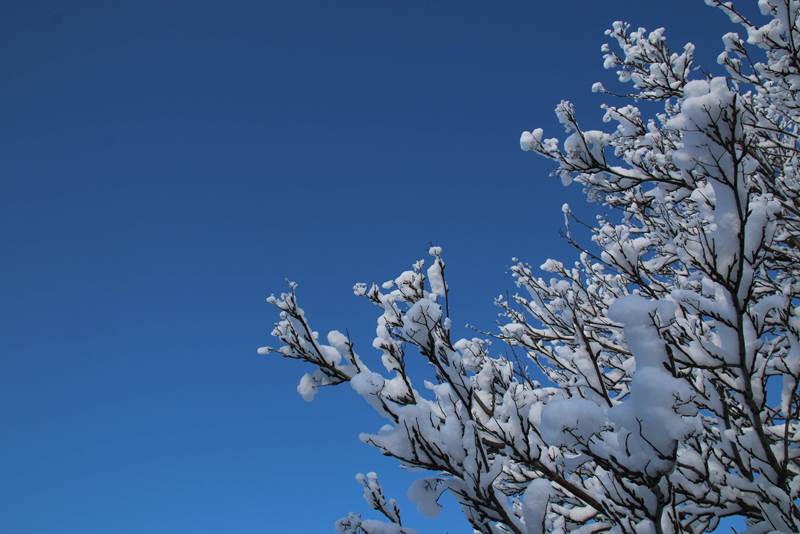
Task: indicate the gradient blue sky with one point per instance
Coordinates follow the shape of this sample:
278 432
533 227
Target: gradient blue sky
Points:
165 165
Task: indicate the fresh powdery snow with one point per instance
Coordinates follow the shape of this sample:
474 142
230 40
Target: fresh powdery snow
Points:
650 386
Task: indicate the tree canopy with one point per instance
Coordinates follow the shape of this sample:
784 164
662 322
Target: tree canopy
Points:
650 386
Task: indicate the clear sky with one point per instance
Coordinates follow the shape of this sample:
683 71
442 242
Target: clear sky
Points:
164 166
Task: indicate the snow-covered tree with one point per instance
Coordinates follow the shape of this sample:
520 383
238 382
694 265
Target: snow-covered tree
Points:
656 383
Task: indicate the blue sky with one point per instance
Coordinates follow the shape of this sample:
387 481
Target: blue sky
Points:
166 165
